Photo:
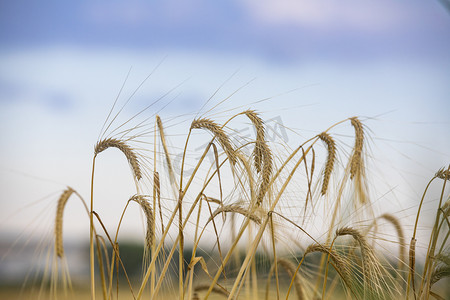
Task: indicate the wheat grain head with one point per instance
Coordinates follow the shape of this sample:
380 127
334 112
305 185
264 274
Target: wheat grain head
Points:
59 248
126 150
331 148
219 134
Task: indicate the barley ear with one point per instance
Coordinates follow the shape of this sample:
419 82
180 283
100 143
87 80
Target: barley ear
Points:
373 271
237 209
439 273
166 151
146 208
443 174
157 193
401 236
331 147
266 174
356 162
219 134
262 155
260 138
59 248
340 263
126 150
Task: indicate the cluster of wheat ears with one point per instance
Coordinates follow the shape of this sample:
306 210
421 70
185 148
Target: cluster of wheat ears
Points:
248 180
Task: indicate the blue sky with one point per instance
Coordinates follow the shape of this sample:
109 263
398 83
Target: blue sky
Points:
62 65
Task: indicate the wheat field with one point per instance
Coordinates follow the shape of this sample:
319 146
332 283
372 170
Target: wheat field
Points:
284 222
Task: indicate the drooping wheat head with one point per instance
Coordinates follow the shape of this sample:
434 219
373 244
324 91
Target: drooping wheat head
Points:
146 208
166 150
219 134
341 264
126 150
376 280
157 193
401 237
260 138
356 162
439 273
262 155
443 174
331 148
235 208
59 248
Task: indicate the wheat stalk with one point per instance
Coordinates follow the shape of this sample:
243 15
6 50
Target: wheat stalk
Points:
291 270
126 150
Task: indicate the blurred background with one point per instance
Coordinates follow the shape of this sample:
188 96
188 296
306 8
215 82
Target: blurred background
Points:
304 64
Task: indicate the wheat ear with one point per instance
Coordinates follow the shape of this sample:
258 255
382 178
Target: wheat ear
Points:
219 134
235 208
331 147
260 138
166 151
262 155
372 269
59 248
146 208
356 162
439 273
341 264
443 174
157 192
401 236
126 150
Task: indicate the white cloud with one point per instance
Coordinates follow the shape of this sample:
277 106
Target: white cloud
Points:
328 15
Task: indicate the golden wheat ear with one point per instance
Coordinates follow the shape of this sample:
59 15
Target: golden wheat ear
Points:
340 263
262 155
443 174
166 150
260 138
376 280
219 134
356 162
401 236
59 248
126 150
237 209
146 208
331 147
